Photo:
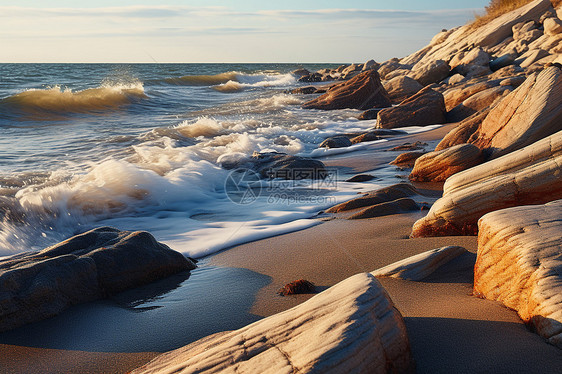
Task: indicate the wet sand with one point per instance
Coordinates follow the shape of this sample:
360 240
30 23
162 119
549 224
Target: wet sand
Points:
450 330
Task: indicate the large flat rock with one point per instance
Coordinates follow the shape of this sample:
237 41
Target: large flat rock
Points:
426 107
351 327
519 263
86 267
531 175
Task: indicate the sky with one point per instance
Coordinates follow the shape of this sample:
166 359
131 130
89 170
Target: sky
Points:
223 31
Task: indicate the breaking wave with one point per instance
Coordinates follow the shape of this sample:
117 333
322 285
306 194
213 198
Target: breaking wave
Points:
233 81
58 100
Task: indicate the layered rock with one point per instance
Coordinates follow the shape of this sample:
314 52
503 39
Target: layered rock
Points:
529 113
427 107
531 175
463 131
420 266
477 102
437 166
86 267
407 159
519 264
351 327
361 92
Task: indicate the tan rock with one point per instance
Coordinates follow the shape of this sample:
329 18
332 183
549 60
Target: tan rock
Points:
522 28
437 166
486 36
519 264
477 102
429 73
361 92
529 113
457 95
552 26
407 159
463 131
531 175
422 265
424 108
475 57
397 73
530 57
351 327
401 87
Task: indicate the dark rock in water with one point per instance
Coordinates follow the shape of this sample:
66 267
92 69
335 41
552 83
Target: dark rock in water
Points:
375 134
502 61
308 90
86 267
366 137
299 286
300 72
364 91
407 159
427 107
281 165
383 195
314 77
336 142
387 208
369 114
409 146
361 178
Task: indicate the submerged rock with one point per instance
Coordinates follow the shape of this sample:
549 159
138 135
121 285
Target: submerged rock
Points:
86 267
336 142
427 107
364 91
351 327
281 165
519 263
361 178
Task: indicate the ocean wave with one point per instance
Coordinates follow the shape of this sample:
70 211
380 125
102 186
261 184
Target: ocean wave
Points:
58 100
234 81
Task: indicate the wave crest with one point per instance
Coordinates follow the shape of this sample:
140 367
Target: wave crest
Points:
58 100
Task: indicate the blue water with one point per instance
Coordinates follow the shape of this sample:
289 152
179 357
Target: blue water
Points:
140 146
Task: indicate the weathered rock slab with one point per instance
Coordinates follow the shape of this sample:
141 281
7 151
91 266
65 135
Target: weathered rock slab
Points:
420 266
86 267
531 175
437 166
351 327
519 263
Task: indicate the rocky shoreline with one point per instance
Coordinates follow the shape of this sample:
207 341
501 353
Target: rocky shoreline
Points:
501 86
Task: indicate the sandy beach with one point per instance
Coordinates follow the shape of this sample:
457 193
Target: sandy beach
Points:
449 330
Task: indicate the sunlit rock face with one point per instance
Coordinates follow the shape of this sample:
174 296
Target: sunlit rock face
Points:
519 263
351 327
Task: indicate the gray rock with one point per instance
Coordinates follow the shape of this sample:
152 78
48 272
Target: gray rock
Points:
503 61
86 267
281 165
335 142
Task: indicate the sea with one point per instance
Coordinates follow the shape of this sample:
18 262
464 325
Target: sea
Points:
141 147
